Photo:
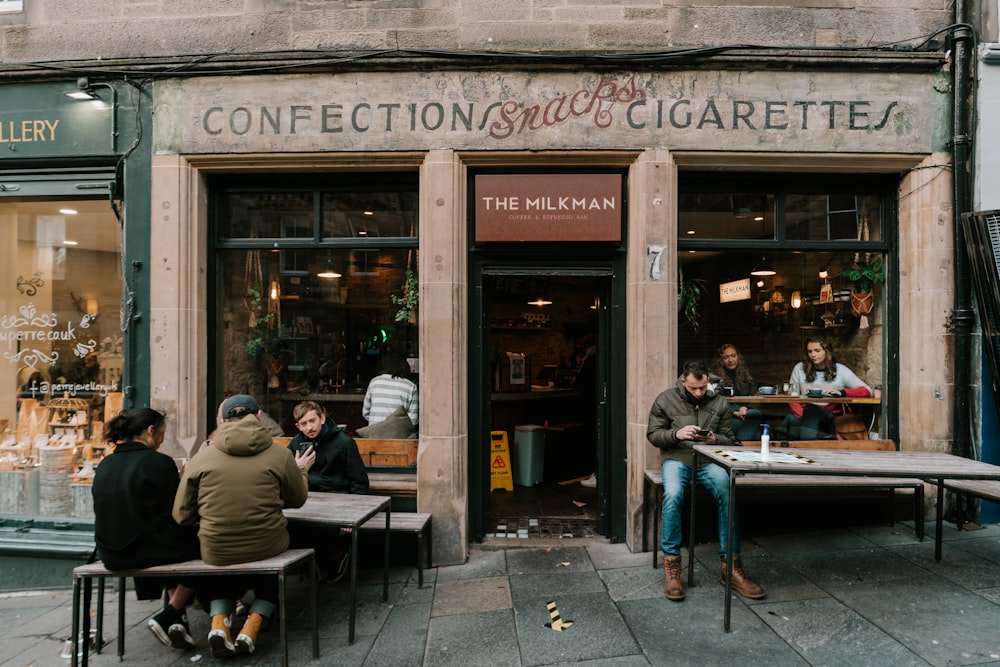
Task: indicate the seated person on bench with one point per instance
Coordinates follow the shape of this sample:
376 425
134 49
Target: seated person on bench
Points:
820 371
338 469
734 373
133 492
236 488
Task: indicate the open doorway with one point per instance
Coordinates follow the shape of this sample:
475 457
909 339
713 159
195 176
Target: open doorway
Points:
546 373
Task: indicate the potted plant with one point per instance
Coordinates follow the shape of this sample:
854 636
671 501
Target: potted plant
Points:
689 300
864 275
409 299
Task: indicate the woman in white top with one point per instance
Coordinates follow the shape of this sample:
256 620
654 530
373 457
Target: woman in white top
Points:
389 391
820 370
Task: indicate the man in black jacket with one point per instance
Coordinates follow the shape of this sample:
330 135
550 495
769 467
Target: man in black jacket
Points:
338 469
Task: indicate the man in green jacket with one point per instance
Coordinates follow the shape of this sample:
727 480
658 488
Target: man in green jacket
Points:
688 414
236 489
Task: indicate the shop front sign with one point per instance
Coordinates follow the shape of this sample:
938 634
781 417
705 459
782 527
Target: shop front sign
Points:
728 110
548 207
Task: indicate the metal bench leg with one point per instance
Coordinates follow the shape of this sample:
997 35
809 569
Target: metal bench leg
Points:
918 511
420 559
385 562
657 519
75 625
121 618
313 585
282 618
100 614
646 509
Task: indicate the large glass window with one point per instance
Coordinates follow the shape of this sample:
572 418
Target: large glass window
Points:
317 291
770 263
61 347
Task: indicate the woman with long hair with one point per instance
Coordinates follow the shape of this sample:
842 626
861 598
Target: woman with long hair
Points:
733 372
820 370
134 489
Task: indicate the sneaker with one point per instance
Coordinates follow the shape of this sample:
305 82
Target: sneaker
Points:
180 632
590 482
246 641
341 559
219 639
160 623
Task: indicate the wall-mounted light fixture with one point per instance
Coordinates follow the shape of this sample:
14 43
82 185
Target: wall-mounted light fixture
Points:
83 91
796 300
275 290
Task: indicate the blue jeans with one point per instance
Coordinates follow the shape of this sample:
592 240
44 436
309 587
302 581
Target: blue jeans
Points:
676 478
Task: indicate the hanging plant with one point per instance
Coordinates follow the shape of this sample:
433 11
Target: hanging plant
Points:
689 300
409 299
865 275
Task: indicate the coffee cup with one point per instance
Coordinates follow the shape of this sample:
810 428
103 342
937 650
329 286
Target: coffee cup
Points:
814 393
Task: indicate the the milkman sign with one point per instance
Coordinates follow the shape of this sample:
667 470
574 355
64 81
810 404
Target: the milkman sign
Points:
738 290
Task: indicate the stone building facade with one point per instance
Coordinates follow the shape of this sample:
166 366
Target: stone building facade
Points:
448 89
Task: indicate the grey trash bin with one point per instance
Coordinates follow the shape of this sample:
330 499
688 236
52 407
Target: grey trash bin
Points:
528 454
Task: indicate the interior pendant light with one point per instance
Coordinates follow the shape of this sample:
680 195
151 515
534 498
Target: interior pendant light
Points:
328 272
540 300
763 268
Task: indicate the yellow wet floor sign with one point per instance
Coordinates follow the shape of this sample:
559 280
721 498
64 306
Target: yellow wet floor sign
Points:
500 473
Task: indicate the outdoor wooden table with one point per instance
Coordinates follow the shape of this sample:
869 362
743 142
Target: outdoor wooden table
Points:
932 466
346 510
774 399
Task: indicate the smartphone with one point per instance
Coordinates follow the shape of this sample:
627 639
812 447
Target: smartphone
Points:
703 431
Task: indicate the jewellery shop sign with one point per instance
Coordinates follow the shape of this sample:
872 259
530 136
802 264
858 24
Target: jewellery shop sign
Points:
33 342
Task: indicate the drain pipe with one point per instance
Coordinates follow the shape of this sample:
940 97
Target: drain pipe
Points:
962 316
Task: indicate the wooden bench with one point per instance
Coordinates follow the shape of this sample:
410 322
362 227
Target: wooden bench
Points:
979 488
278 566
413 523
653 484
388 451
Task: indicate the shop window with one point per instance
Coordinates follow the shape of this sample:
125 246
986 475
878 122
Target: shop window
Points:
717 215
324 308
61 351
805 276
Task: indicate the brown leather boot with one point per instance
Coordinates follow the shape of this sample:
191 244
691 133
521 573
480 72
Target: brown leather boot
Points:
741 582
673 587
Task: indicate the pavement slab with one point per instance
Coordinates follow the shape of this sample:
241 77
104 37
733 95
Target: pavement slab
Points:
865 595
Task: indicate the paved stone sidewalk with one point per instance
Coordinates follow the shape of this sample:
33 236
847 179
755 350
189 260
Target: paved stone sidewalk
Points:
869 595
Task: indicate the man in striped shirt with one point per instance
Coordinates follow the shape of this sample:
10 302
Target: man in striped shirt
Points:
389 391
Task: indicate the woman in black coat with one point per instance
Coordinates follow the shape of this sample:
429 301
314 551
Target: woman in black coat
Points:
133 492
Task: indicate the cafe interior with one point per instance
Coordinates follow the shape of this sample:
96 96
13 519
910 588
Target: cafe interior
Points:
541 330
766 273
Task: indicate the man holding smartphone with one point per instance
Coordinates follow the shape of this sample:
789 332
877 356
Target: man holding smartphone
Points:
681 417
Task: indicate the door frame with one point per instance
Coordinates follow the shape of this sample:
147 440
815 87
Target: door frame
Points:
608 266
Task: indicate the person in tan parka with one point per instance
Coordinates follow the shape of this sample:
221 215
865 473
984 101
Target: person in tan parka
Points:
236 489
